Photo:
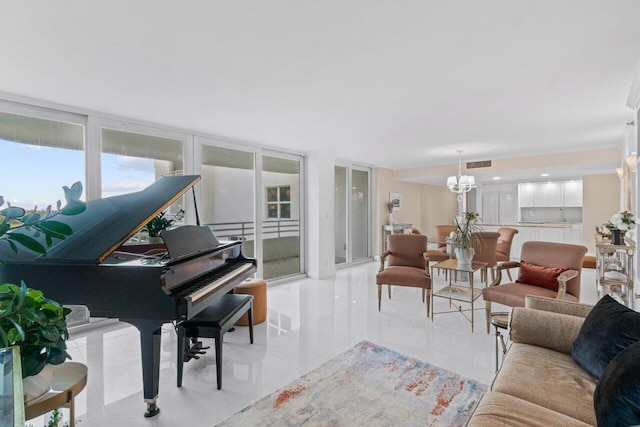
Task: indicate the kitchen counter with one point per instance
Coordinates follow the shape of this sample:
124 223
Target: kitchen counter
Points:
534 224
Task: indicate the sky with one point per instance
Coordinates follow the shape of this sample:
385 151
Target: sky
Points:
33 175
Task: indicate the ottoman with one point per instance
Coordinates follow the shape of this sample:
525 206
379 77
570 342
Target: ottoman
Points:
257 288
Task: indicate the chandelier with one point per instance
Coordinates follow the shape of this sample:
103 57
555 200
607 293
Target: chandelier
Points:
461 183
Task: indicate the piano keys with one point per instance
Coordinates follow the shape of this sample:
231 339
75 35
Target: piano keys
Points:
94 268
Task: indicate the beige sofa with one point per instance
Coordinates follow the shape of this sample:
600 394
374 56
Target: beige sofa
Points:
539 384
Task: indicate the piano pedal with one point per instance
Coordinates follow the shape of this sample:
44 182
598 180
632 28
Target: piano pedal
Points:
195 349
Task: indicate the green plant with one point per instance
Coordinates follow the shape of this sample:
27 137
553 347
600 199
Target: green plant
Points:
20 227
27 319
160 222
55 418
463 236
34 323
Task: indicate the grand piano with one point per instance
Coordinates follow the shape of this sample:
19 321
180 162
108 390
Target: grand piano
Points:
93 268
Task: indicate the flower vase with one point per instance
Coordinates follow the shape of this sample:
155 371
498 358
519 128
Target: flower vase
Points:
464 256
617 237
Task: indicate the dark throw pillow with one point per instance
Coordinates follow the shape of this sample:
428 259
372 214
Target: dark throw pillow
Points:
546 277
609 328
617 396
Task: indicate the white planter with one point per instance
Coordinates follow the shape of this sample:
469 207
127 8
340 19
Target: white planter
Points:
38 385
464 256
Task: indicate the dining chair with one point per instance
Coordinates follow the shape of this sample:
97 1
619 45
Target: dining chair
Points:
547 269
485 251
503 249
405 263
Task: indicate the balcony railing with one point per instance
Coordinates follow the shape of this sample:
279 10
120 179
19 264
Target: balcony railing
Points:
271 229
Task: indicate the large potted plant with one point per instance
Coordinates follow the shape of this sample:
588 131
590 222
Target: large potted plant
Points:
28 319
463 237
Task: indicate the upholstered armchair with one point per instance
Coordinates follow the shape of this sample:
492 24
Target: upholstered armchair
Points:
546 269
405 263
503 249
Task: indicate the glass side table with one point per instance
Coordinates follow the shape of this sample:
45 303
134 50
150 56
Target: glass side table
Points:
500 320
457 291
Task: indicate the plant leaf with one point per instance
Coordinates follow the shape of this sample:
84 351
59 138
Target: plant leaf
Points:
56 227
28 242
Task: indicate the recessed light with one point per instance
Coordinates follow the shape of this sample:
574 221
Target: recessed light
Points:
544 174
496 178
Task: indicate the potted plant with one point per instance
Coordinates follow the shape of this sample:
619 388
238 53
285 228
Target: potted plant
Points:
464 237
27 318
159 223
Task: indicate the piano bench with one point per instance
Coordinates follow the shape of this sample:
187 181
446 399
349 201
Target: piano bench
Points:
212 322
257 288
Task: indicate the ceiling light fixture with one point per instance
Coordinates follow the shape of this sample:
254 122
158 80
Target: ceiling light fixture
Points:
461 183
544 174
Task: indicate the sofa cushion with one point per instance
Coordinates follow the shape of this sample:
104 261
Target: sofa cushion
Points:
538 275
498 409
608 329
617 396
546 377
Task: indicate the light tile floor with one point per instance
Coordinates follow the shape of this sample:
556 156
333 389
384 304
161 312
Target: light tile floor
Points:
309 322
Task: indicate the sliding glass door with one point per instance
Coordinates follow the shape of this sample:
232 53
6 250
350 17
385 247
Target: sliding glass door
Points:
352 214
281 219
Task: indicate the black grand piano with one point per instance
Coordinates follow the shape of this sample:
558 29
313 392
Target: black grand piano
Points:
92 268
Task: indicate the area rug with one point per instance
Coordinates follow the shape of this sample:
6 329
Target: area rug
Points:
368 385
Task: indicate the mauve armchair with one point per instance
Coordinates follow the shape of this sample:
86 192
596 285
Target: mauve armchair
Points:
405 263
551 270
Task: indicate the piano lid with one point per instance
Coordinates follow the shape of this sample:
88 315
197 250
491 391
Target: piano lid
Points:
107 223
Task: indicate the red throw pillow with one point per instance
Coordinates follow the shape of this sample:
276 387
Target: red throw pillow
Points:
546 277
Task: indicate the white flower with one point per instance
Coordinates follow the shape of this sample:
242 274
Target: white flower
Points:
623 227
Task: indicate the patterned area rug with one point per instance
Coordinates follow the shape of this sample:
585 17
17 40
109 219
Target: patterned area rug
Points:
368 385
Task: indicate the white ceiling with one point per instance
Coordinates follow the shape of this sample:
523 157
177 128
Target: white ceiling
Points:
389 83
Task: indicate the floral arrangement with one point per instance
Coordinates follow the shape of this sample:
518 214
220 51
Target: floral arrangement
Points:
463 236
622 221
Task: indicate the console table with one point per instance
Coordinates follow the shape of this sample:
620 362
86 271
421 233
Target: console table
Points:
392 229
614 269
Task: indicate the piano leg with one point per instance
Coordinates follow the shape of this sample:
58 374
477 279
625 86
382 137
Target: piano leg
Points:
150 335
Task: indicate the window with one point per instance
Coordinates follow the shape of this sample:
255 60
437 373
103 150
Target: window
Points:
279 202
40 156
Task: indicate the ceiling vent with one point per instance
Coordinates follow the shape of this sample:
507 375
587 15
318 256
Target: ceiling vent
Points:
478 165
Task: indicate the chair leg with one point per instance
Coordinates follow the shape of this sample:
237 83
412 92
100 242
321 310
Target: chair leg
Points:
487 308
389 287
379 296
218 341
428 302
423 295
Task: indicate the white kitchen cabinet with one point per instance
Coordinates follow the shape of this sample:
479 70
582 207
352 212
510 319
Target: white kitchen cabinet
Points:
573 234
499 204
526 195
549 194
572 194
